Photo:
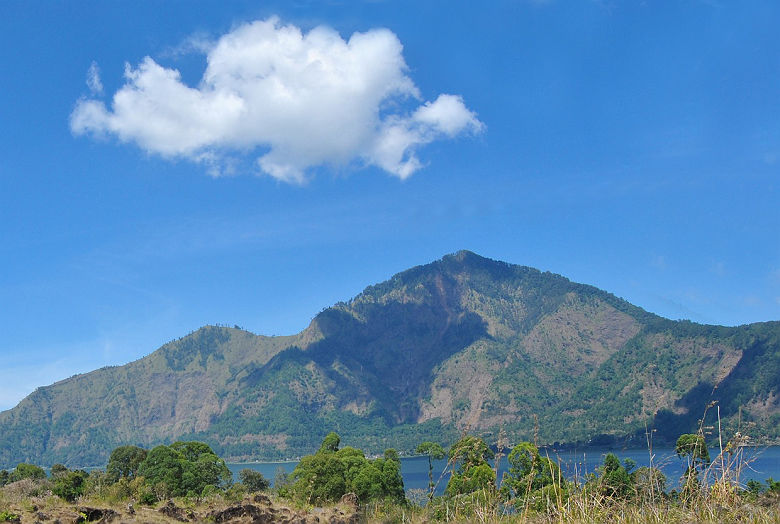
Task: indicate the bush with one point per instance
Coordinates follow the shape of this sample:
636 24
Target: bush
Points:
27 488
181 468
331 473
70 485
253 480
26 471
615 482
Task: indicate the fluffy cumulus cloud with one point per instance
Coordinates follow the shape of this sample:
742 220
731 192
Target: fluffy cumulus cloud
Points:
297 100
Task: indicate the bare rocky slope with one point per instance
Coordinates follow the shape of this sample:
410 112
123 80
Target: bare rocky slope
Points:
462 344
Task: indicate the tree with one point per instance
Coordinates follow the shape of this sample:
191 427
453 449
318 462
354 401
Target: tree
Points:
192 450
124 462
331 473
70 485
693 448
162 469
253 480
183 468
474 473
4 477
330 442
615 481
392 482
531 478
57 469
26 471
471 451
433 451
319 478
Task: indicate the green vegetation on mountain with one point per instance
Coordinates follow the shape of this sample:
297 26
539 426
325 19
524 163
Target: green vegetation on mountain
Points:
462 344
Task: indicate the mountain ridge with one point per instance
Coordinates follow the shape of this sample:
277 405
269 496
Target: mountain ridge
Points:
462 343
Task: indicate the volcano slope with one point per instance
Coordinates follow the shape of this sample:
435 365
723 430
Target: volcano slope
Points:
462 344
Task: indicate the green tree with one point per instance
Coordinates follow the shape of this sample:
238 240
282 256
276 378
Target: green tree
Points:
192 450
331 473
473 473
693 448
531 479
124 462
773 485
206 470
4 477
471 451
392 482
319 478
253 480
330 442
70 485
615 481
162 470
433 451
26 471
183 468
57 469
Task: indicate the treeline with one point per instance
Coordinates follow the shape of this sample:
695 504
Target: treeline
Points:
181 469
532 484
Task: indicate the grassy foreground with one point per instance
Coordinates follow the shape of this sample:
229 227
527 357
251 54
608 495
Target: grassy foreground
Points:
186 482
24 502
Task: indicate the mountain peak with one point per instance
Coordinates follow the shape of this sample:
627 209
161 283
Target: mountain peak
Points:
464 255
462 343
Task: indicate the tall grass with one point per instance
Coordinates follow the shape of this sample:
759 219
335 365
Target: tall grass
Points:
717 496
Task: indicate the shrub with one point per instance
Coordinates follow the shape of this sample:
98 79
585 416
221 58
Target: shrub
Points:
253 480
615 482
181 468
7 516
26 471
70 485
27 488
331 473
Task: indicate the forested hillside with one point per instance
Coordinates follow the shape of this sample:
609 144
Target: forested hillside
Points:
463 343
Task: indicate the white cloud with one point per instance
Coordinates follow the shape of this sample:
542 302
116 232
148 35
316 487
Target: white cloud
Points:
93 79
303 100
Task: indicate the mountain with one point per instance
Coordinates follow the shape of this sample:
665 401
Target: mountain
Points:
462 344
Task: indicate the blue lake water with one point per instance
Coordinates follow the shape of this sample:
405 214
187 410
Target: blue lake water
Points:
758 464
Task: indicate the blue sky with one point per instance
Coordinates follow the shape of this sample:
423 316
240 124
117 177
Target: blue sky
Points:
630 145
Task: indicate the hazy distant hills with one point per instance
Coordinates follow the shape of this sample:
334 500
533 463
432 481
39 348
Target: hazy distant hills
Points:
463 343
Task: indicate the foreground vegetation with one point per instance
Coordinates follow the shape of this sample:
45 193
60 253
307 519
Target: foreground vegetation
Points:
187 481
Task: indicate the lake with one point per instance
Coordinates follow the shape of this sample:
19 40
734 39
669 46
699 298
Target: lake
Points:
760 463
